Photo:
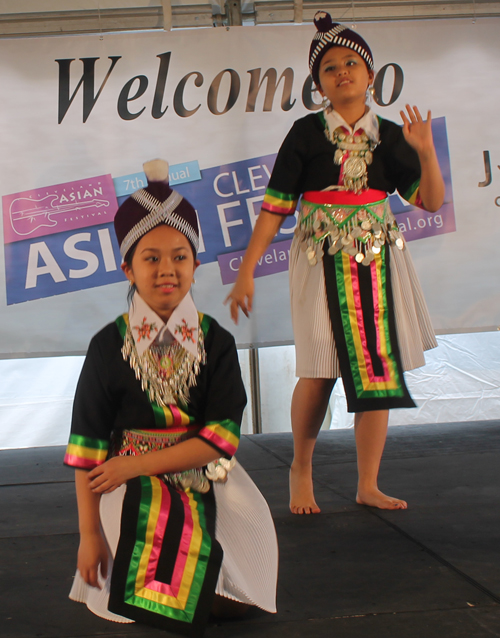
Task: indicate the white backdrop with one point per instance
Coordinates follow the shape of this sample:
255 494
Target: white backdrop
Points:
461 382
451 66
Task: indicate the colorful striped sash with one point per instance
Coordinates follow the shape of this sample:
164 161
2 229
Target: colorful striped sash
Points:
167 561
362 314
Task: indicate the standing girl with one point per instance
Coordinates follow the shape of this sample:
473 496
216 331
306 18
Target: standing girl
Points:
357 306
171 527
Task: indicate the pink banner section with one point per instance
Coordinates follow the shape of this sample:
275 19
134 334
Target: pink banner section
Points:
58 208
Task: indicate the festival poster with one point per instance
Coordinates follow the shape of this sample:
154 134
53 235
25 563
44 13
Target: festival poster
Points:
108 105
60 238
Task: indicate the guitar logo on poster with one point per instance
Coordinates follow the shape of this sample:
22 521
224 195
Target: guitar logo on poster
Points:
59 239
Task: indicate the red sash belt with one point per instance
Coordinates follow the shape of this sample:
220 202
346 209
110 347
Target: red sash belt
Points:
347 198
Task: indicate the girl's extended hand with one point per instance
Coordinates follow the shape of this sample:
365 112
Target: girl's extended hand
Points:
107 477
417 132
92 554
241 296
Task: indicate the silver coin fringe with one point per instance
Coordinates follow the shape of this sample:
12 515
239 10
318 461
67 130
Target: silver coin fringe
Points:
161 390
198 479
359 231
194 479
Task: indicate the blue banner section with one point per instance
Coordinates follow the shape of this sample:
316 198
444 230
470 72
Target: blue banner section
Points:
178 174
228 201
64 262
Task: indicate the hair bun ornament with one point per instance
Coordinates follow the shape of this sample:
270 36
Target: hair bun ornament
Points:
333 34
156 204
323 21
156 170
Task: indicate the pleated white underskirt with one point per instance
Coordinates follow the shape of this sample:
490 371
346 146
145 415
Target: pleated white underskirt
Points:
315 350
244 528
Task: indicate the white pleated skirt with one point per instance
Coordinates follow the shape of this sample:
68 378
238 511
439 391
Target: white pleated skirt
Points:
315 351
244 528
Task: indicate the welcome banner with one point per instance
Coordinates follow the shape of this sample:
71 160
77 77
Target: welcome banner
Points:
81 114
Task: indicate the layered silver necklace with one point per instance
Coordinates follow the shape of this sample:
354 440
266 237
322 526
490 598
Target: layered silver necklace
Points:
354 153
166 372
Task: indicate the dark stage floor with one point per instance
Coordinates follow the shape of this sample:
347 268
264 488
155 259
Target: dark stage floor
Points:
432 571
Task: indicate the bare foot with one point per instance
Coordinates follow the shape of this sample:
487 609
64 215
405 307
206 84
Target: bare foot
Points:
376 498
301 491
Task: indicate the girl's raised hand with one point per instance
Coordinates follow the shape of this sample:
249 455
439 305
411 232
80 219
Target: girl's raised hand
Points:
107 477
417 132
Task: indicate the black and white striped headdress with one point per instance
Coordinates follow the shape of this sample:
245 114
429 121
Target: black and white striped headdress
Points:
154 205
332 34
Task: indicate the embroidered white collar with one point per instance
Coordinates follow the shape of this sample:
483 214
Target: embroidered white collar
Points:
369 123
148 328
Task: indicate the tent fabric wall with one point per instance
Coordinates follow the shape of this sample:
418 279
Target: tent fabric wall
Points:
56 145
461 382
